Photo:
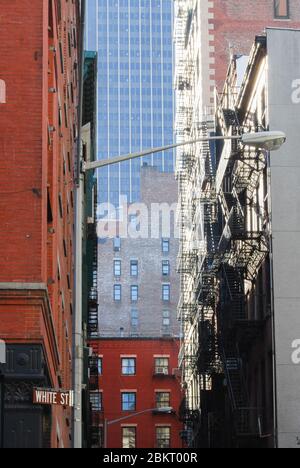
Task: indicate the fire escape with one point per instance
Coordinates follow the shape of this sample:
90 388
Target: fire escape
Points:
242 249
96 418
97 412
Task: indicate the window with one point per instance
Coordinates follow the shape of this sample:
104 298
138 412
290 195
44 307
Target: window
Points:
166 292
163 437
282 9
117 268
129 437
166 318
134 268
165 246
163 400
162 366
134 293
134 318
166 268
100 365
60 204
117 292
96 401
117 244
128 401
129 366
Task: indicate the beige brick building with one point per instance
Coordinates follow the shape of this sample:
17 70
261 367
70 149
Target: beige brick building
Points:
138 282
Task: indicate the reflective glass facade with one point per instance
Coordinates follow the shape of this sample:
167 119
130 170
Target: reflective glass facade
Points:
133 39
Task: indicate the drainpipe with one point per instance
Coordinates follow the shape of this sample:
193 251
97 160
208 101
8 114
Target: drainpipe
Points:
275 401
78 339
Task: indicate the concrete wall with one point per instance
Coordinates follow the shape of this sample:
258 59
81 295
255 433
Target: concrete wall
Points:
114 316
284 114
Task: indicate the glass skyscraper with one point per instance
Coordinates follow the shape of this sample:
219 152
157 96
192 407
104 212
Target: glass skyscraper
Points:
133 39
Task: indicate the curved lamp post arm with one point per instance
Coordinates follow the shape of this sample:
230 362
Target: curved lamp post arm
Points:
110 423
127 157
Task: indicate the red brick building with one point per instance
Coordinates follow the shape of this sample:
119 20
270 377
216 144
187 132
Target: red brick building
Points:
233 25
39 64
137 375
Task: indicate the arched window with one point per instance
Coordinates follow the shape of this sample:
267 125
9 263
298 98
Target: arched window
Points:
2 92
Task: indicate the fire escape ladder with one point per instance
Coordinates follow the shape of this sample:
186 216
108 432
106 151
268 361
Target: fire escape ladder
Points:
235 286
97 415
247 420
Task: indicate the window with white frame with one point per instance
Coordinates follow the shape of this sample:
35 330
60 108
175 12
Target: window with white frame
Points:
134 293
162 366
117 292
163 400
163 437
129 437
166 292
117 268
128 366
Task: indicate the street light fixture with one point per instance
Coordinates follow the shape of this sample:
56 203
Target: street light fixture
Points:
270 141
166 410
2 361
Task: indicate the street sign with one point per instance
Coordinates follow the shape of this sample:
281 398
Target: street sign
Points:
50 397
2 352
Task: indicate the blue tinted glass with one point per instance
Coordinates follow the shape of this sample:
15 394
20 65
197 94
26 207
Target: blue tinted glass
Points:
135 87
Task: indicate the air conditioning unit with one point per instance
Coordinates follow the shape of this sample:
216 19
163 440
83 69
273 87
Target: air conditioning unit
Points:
162 371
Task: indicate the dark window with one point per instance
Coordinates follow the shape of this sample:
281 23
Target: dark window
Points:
60 204
129 437
61 57
282 9
134 268
117 292
128 401
65 248
128 366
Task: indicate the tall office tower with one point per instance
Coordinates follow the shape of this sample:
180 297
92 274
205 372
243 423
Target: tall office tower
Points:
38 147
133 39
207 35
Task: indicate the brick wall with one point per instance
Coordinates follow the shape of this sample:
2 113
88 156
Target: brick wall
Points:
113 316
234 25
38 137
144 383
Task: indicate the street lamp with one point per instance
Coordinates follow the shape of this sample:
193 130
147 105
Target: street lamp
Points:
2 361
270 141
107 424
260 140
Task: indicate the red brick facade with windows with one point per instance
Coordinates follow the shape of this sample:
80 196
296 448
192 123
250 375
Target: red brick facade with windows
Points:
235 23
145 384
39 63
